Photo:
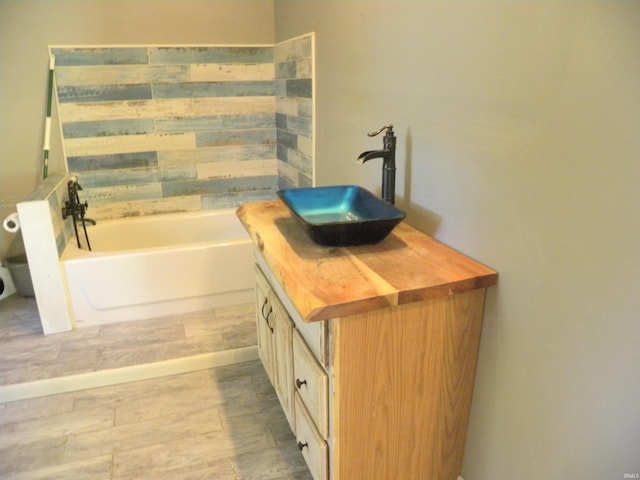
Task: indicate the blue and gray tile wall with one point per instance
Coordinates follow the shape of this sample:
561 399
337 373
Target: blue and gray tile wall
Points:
294 111
163 129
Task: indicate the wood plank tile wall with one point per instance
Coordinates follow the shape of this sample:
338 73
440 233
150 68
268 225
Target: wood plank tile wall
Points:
163 129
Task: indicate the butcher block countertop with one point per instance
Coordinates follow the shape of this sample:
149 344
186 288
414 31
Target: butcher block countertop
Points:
330 282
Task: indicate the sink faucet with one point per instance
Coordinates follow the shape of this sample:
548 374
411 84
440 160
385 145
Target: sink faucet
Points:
388 155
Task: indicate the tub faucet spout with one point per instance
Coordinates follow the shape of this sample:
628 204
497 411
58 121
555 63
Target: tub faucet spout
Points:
388 155
76 209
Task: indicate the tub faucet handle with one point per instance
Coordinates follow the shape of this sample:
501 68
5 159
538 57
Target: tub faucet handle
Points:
387 127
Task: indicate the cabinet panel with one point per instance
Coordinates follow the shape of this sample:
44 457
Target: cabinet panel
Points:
313 447
311 383
283 364
263 326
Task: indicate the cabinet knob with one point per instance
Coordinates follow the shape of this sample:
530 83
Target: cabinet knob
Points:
299 382
302 445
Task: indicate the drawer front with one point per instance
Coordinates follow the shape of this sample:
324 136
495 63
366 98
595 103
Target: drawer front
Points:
311 444
311 383
315 335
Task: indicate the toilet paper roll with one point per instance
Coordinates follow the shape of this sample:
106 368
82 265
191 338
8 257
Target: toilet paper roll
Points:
11 223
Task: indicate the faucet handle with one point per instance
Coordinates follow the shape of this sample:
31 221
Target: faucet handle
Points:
378 132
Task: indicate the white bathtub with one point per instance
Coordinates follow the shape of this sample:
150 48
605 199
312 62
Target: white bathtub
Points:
159 265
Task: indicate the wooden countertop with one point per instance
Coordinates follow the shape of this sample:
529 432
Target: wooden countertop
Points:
329 282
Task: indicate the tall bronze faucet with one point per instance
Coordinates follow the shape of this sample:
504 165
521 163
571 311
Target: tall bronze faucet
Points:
388 155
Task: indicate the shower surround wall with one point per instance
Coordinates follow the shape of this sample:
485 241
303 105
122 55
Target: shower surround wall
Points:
295 111
162 129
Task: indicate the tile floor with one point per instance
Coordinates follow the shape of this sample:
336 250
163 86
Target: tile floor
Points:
220 423
28 355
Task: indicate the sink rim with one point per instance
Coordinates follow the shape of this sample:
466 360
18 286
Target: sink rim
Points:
359 231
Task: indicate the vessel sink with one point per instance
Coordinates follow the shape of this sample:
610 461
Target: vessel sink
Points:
342 215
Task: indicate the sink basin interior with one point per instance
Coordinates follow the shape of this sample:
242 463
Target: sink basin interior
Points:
342 215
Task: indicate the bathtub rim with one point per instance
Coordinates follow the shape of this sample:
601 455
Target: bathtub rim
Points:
72 252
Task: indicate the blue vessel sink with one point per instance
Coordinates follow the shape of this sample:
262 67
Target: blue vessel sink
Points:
342 215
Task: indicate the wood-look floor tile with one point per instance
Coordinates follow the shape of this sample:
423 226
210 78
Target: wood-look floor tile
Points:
139 328
223 423
61 424
210 470
95 468
198 450
131 436
271 464
127 393
194 399
26 410
241 334
27 456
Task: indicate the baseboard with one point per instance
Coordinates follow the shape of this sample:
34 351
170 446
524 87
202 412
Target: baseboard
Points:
103 378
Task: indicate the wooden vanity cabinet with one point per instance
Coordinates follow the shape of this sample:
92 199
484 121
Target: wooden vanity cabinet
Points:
373 360
394 398
275 348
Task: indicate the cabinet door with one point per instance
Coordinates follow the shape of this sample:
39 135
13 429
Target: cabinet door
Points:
265 330
283 364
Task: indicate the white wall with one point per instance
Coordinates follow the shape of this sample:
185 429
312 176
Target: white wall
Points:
27 27
518 130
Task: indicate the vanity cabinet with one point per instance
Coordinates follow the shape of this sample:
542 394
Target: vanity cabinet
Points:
275 349
374 363
300 381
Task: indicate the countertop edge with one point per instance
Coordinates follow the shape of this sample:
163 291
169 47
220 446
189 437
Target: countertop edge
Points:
311 310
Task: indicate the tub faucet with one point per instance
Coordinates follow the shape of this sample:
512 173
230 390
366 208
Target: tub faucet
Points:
76 209
388 155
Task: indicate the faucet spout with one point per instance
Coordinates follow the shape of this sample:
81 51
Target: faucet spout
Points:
366 156
388 155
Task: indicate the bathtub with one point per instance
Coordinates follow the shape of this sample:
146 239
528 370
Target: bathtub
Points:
152 266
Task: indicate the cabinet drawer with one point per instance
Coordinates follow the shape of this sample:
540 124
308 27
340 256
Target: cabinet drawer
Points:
311 383
315 335
311 444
